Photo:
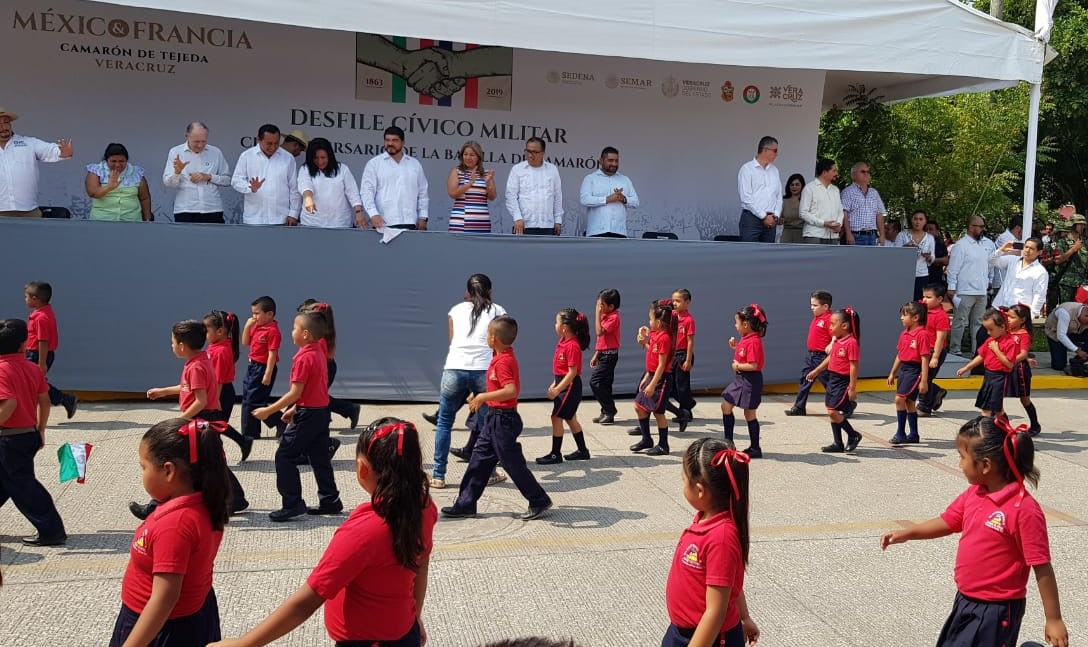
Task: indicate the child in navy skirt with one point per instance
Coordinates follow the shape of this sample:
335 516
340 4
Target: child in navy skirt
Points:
996 355
841 364
654 388
1002 533
565 391
746 389
1019 384
910 371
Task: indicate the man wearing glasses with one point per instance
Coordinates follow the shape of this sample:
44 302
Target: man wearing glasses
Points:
969 279
534 194
760 189
863 207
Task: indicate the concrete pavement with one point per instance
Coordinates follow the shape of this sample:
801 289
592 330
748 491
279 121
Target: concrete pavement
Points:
595 568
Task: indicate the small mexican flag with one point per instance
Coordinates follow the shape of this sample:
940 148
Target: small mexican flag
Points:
73 461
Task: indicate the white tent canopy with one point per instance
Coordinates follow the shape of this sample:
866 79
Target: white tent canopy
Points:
905 48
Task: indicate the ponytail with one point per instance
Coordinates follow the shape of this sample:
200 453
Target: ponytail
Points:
850 316
391 447
229 321
579 325
663 312
196 447
478 291
324 311
755 317
723 471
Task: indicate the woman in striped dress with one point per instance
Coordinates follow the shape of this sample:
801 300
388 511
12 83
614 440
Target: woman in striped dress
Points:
471 188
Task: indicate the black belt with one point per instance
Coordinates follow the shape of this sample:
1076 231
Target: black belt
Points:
17 431
866 232
817 352
610 351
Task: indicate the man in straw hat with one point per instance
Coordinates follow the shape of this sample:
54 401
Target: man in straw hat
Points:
19 157
295 142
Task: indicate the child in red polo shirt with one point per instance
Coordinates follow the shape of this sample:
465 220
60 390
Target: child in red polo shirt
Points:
22 434
498 443
372 579
841 364
996 356
565 391
683 358
653 389
705 589
910 370
819 336
940 328
1019 385
606 353
746 389
1003 535
43 339
198 398
262 335
307 419
166 593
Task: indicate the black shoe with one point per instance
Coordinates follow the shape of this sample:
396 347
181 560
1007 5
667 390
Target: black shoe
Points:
598 418
431 418
684 420
852 441
607 419
69 402
247 447
38 540
286 514
924 412
795 411
578 455
550 459
460 453
353 417
641 445
453 512
753 452
913 439
634 432
898 439
334 444
833 448
938 398
535 511
335 508
140 510
1035 430
657 450
239 507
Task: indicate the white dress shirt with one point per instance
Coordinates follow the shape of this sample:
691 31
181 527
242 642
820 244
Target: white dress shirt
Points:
1020 284
998 274
819 204
278 197
202 197
760 189
334 198
396 191
606 217
19 171
535 195
969 266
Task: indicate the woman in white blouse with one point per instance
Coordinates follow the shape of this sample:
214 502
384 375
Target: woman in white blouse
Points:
918 238
330 195
1025 280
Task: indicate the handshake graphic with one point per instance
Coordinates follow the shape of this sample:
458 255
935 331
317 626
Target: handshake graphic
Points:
432 71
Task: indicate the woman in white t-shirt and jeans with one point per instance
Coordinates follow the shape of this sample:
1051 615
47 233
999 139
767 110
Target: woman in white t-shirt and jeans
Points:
465 371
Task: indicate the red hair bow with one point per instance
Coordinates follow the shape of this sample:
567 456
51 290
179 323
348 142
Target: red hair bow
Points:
320 307
725 458
387 430
1011 446
194 428
580 317
665 302
758 312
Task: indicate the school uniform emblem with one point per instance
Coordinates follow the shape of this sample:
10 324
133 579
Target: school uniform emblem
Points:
996 521
140 545
914 344
841 352
691 557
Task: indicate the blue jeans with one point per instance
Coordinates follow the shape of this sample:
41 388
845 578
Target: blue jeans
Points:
864 239
456 386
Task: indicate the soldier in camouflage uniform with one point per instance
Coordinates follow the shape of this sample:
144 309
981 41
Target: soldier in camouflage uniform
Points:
1072 260
1046 259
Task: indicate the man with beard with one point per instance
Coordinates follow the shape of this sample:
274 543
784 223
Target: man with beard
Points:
607 194
969 279
394 188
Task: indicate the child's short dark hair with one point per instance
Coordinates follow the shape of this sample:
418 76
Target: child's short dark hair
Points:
190 332
13 335
684 293
314 323
40 290
611 297
265 304
505 328
938 289
823 297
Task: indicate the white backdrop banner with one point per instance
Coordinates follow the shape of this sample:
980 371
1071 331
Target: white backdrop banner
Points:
101 73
